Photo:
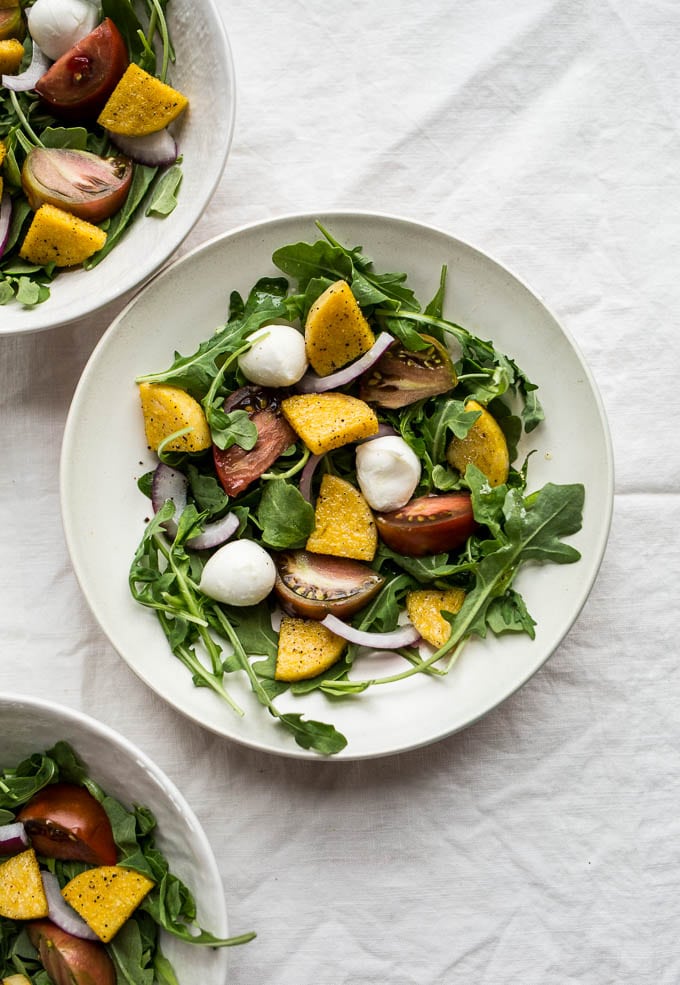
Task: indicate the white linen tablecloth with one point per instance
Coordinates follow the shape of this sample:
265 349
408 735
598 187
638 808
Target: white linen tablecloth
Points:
542 845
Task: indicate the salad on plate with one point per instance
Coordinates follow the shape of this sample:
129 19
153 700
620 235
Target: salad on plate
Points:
84 891
338 479
86 141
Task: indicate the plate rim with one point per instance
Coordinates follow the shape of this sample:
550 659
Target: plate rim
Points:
328 215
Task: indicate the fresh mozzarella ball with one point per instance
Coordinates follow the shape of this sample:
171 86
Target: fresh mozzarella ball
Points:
239 573
56 25
277 359
388 471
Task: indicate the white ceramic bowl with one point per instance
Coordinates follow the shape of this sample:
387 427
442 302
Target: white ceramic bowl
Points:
28 725
203 71
104 517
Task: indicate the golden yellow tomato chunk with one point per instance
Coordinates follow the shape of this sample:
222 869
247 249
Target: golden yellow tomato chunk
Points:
141 104
306 648
329 420
22 896
58 237
106 896
484 446
168 409
344 524
336 331
425 606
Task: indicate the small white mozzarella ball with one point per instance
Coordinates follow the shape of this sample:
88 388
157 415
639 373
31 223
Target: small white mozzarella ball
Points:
277 356
56 25
239 573
388 471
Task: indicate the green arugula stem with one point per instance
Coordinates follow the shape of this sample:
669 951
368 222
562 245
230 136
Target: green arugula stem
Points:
293 470
23 119
255 682
157 15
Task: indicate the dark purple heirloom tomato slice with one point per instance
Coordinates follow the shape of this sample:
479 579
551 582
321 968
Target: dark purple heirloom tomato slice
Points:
70 960
12 23
64 821
237 468
428 524
88 186
313 585
400 376
77 86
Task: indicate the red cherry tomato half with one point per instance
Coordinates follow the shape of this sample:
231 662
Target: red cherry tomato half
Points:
237 468
70 960
64 820
313 585
84 184
77 86
428 524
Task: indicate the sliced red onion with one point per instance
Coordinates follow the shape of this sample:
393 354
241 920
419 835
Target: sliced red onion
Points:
214 533
170 484
384 431
311 383
35 71
155 149
13 838
402 636
307 475
61 912
5 217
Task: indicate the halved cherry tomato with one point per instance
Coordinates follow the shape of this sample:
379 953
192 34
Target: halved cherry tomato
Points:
84 184
428 524
313 585
70 960
401 376
237 468
77 86
64 820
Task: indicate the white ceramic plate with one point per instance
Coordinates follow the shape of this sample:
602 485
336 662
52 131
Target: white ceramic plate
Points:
104 452
29 725
204 72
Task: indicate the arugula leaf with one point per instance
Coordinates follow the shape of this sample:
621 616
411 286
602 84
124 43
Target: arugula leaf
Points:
286 518
164 198
142 177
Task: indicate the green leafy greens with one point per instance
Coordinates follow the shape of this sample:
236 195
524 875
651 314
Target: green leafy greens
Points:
516 527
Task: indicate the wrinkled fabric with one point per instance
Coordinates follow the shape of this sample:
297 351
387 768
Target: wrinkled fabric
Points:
540 846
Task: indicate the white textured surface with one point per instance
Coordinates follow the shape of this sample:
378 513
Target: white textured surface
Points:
540 846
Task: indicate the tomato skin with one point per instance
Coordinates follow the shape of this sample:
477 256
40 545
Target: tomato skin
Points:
428 524
237 468
401 377
345 585
12 23
84 184
64 821
78 84
70 960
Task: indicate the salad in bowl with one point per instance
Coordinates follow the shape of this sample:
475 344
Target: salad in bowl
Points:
338 482
101 113
99 883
